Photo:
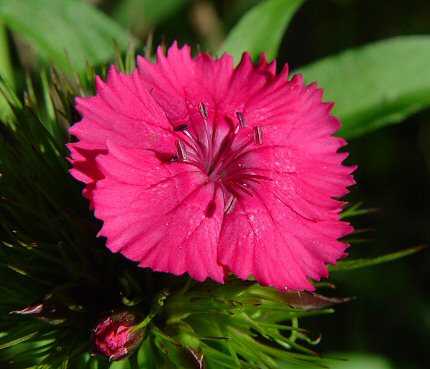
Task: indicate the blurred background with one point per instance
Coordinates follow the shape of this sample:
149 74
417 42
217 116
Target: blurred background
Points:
387 325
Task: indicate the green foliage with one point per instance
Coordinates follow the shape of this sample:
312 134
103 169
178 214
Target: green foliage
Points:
261 29
375 85
356 210
352 360
5 63
147 12
362 263
65 32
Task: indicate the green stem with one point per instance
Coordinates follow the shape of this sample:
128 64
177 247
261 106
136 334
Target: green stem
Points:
295 324
6 70
156 307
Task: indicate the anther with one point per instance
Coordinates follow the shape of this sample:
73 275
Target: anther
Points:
230 204
236 131
181 128
203 111
181 153
241 119
257 135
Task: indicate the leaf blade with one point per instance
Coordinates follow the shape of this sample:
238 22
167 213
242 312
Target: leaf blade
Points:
361 263
56 26
261 29
379 84
148 12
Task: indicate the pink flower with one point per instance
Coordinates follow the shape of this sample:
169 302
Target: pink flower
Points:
114 336
201 168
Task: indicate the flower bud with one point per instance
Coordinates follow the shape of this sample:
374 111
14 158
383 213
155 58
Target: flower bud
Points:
114 336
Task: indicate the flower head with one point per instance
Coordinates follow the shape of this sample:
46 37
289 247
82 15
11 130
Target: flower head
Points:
114 336
198 167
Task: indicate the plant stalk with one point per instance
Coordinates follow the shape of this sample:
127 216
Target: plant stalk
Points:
6 70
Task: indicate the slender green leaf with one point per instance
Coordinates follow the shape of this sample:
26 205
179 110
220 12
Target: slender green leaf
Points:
66 32
261 29
361 263
356 210
375 85
6 71
348 360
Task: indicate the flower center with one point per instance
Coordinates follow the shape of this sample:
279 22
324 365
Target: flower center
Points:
225 164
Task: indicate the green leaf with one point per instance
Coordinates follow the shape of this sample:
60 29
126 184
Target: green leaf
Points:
361 263
261 29
375 85
6 71
65 32
356 210
148 12
350 360
359 361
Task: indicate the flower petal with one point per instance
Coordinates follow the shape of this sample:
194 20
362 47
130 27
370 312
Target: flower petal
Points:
164 215
122 111
203 79
223 89
266 239
301 157
290 228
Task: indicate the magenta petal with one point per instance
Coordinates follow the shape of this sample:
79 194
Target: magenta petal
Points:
203 79
265 239
155 213
123 112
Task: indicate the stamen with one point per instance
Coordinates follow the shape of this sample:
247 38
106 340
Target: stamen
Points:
203 111
191 138
230 204
242 187
241 119
181 153
208 148
257 135
250 176
233 156
181 128
235 132
223 163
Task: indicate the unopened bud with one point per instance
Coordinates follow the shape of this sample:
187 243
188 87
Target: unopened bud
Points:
115 336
